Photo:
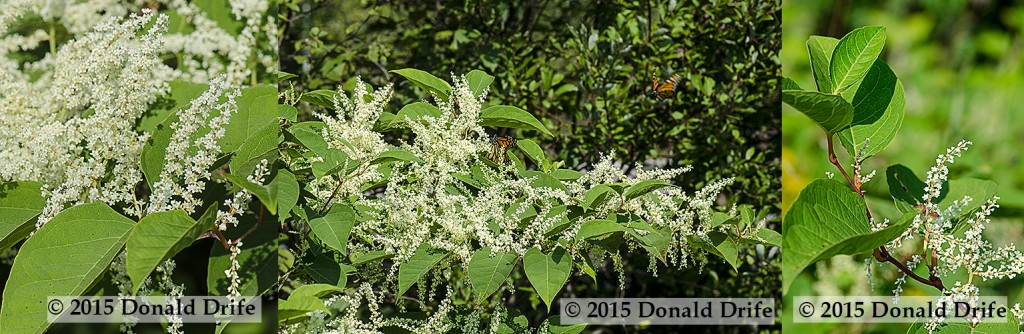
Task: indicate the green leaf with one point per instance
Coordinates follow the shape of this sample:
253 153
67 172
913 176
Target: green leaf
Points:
831 112
556 327
566 174
261 145
478 81
534 152
821 48
789 84
282 76
334 227
597 196
155 150
513 322
287 189
388 122
309 135
258 259
64 258
562 223
655 240
268 198
418 265
720 218
547 273
978 189
718 244
544 180
877 112
288 112
396 155
906 188
854 55
220 12
470 180
320 97
643 187
769 237
829 219
426 81
20 204
326 269
316 290
257 107
158 237
416 111
598 229
295 308
487 273
510 117
370 256
182 93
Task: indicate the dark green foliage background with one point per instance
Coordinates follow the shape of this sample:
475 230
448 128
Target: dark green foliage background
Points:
584 68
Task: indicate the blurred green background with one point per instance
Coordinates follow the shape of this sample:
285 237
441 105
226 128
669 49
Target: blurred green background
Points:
960 63
584 68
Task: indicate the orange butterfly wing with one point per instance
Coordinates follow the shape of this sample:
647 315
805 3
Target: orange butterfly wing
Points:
499 145
667 88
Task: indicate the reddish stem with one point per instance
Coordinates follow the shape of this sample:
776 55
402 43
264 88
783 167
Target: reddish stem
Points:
881 254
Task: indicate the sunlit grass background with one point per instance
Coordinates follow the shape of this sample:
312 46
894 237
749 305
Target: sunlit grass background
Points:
960 63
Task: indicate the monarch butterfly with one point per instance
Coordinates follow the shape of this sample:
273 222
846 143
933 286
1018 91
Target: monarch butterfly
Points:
499 145
665 89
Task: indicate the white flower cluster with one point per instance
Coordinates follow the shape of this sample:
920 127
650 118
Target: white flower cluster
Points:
946 250
188 160
75 125
68 119
164 285
199 51
232 271
912 264
976 254
425 203
439 210
238 205
350 318
940 172
202 53
172 294
119 276
933 220
351 131
12 11
1018 314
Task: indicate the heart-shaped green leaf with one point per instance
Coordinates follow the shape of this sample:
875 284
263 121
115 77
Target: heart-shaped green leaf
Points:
547 273
487 273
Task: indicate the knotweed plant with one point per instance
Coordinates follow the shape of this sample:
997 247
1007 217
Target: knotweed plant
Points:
121 135
416 199
949 239
942 220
